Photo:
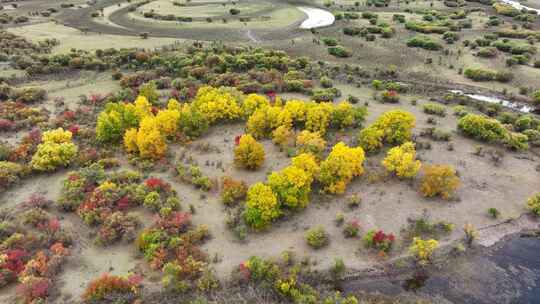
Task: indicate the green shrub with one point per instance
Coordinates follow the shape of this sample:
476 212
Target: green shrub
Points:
533 204
435 109
339 51
482 128
424 42
317 237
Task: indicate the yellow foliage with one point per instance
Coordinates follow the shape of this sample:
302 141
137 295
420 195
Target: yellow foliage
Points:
262 206
318 117
55 150
167 121
217 104
310 142
423 249
370 139
282 136
308 163
343 115
396 125
253 102
173 104
148 140
342 164
439 180
402 161
249 153
292 186
143 108
130 140
298 110
261 123
57 136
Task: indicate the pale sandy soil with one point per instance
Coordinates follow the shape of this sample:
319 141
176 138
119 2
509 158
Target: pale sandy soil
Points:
385 205
72 38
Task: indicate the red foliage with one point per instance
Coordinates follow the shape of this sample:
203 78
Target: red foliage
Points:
176 221
155 183
99 288
74 129
15 260
33 289
6 125
237 140
123 203
380 237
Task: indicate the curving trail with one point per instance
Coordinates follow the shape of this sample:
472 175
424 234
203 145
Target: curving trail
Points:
316 18
117 21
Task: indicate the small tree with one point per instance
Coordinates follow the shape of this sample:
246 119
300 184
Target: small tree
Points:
533 204
262 206
248 153
439 180
423 249
402 161
339 168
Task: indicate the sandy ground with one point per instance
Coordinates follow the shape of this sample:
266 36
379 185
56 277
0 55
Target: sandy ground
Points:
385 205
72 38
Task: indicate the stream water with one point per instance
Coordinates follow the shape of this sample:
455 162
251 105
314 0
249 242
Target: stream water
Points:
508 273
521 107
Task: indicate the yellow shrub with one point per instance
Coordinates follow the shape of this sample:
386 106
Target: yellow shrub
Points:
130 140
308 163
291 186
143 108
55 150
310 142
249 153
370 139
397 126
173 104
423 249
339 168
439 180
282 136
150 141
261 123
217 104
343 115
57 136
298 110
253 102
262 206
402 161
167 121
318 117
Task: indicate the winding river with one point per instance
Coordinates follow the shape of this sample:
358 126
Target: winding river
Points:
316 18
520 6
521 107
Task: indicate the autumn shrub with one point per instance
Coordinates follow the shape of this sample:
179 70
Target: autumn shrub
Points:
434 109
423 249
233 191
192 123
117 226
318 117
425 42
291 186
10 173
283 136
56 150
262 206
439 180
379 240
218 104
345 115
113 288
249 153
401 160
148 141
351 229
342 164
118 117
310 142
392 127
390 96
252 102
533 204
317 237
482 128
